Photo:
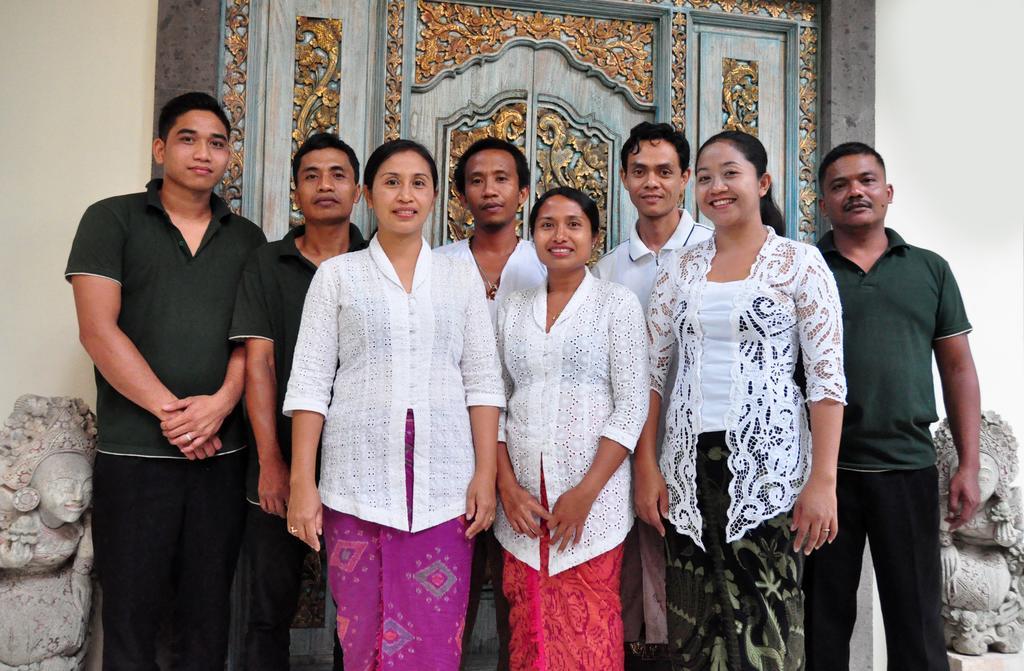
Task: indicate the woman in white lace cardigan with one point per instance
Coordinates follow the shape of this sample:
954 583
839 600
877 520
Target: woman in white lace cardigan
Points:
575 359
396 366
736 480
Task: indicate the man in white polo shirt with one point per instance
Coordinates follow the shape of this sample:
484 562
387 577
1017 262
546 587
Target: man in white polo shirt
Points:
655 167
492 179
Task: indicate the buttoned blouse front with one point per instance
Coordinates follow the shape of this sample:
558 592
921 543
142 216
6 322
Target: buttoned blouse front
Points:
367 352
585 379
788 305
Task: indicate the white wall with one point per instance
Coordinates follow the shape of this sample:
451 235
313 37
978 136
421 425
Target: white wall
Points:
947 114
75 122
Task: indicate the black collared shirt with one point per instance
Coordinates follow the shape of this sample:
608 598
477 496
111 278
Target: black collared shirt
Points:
269 305
892 315
175 307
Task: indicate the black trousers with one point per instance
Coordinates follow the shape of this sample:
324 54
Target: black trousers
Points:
275 575
898 512
488 558
167 534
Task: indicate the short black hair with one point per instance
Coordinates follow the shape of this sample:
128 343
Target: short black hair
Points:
522 167
585 202
646 130
174 108
319 141
846 149
389 149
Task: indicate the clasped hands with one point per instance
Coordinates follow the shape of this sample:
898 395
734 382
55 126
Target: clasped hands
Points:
565 520
191 424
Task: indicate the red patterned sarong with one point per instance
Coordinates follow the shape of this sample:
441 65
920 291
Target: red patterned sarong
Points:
571 621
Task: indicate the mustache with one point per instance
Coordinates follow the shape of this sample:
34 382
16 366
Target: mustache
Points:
855 202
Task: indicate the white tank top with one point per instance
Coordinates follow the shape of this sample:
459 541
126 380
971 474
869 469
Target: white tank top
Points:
720 349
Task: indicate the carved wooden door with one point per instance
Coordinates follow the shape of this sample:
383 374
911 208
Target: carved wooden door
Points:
562 79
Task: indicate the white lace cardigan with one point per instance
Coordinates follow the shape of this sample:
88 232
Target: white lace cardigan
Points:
367 352
789 304
585 379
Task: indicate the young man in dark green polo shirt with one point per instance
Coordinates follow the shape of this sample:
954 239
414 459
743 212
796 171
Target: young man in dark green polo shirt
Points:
267 316
154 276
900 304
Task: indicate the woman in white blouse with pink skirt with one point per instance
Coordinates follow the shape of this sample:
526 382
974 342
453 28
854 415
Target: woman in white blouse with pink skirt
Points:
575 363
396 367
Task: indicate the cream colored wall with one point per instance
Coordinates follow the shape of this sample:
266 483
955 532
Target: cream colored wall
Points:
946 115
75 123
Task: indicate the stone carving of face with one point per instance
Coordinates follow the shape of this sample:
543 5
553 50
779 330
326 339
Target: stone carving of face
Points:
988 476
64 483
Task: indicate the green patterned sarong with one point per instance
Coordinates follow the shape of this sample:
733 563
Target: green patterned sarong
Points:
738 606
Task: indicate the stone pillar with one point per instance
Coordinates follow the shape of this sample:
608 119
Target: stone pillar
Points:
848 72
188 49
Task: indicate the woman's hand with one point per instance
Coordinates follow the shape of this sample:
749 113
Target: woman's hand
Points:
815 517
569 515
306 514
481 503
650 493
522 509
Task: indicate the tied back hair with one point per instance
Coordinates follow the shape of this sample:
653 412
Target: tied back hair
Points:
753 151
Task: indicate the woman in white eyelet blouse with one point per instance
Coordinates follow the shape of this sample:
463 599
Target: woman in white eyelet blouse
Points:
575 363
737 482
396 366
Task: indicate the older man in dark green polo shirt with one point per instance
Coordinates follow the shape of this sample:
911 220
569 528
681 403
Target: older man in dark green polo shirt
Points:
901 304
154 276
267 316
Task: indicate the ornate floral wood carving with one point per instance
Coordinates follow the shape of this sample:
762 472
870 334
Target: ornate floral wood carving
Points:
236 66
508 122
452 35
777 9
317 93
679 70
393 70
568 157
739 95
808 138
317 89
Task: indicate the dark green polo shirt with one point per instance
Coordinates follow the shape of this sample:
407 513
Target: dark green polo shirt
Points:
892 315
175 307
269 305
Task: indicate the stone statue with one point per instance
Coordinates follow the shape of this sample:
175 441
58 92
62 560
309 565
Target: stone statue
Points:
47 447
983 561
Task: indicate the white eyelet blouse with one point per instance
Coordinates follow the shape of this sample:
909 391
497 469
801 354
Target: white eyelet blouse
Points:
789 304
367 352
585 379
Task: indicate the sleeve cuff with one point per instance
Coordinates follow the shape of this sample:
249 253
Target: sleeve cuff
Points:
962 331
71 273
480 398
246 336
312 405
625 438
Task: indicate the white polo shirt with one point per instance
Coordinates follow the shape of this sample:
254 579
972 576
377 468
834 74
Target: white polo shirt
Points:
632 264
523 270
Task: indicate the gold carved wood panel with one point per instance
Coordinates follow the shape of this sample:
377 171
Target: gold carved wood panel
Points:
452 35
739 95
233 95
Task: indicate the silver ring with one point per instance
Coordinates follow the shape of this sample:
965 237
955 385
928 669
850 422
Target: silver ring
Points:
825 531
293 530
188 436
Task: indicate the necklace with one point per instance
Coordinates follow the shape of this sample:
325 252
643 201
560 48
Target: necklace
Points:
491 288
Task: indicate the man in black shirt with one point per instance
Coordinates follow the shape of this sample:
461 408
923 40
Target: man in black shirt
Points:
154 276
267 316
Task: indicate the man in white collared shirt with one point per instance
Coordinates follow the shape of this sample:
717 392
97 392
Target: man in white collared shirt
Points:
492 179
655 168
